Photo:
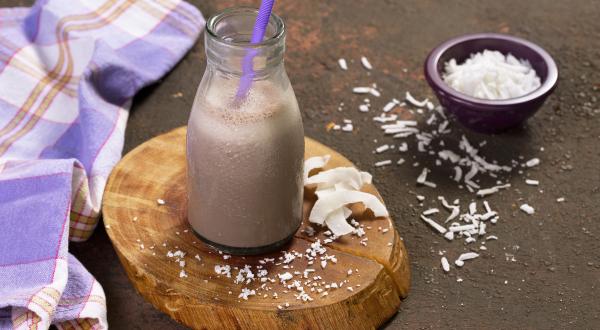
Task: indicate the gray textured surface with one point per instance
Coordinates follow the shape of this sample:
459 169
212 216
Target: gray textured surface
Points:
555 280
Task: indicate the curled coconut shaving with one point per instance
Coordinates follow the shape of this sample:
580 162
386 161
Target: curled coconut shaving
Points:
314 163
335 189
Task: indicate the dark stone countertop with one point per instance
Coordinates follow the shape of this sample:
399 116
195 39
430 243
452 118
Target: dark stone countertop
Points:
554 281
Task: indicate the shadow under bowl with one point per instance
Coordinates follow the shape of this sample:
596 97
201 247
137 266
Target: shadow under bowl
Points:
490 116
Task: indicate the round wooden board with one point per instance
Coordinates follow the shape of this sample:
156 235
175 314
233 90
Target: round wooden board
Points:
142 232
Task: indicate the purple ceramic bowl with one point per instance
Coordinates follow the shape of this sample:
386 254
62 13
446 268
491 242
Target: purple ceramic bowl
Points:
490 116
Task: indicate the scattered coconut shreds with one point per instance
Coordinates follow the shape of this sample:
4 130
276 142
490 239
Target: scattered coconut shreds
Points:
246 293
424 126
560 199
445 264
343 64
527 209
365 63
160 201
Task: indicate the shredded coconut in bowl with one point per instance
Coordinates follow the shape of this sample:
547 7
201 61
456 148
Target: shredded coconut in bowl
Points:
491 75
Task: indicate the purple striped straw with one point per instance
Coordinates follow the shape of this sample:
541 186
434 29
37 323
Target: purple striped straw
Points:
258 33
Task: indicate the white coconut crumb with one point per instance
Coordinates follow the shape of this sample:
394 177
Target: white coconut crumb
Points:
457 173
492 190
487 206
223 270
449 235
363 108
434 224
246 293
560 199
361 90
445 264
390 105
533 162
527 209
182 274
365 63
382 148
400 161
468 256
342 63
160 202
420 198
414 102
423 176
285 277
532 182
491 237
431 211
348 128
383 163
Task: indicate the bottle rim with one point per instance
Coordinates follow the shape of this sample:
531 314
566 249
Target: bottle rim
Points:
213 22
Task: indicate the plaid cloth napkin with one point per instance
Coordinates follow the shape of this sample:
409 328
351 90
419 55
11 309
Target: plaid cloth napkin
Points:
68 72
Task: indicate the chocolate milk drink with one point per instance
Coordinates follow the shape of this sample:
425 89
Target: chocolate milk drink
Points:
245 156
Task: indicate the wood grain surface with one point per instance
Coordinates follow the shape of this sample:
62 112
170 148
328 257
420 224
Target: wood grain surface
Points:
143 231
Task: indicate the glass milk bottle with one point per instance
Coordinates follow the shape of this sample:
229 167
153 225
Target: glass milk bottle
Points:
244 154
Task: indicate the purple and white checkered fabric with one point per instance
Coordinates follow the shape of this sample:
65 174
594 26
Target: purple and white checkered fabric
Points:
68 72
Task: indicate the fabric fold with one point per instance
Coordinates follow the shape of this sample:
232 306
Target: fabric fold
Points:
68 72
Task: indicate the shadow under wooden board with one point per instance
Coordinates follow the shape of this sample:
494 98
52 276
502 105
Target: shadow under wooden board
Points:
371 279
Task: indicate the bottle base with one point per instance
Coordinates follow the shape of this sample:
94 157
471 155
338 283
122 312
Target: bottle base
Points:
245 251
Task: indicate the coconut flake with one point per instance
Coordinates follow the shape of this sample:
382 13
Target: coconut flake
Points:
314 163
533 162
414 102
382 148
468 256
527 209
365 63
326 205
361 90
491 75
445 264
434 224
532 182
383 163
339 176
336 222
492 190
343 64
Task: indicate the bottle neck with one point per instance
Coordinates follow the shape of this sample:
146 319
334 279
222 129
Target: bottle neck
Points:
228 47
